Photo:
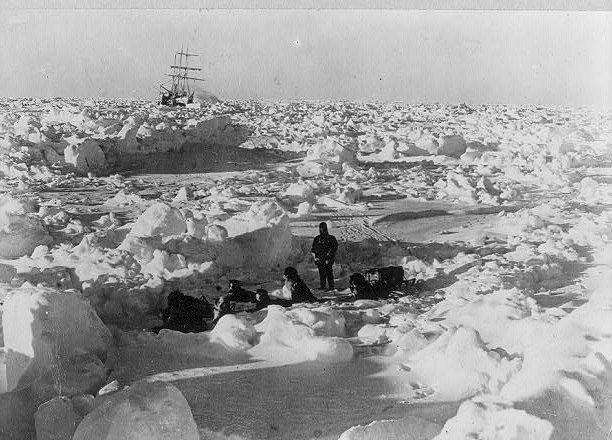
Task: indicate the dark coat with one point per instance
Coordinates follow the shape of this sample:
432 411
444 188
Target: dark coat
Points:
324 247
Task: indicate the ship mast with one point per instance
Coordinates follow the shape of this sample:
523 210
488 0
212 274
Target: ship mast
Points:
180 74
180 78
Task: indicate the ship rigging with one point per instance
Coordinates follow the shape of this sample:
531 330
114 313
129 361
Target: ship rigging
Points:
179 90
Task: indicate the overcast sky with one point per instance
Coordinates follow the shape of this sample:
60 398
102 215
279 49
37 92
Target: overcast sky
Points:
560 58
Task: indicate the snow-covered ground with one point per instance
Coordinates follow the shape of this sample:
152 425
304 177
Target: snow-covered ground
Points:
503 212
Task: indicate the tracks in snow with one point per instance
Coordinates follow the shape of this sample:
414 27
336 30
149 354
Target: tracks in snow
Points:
358 229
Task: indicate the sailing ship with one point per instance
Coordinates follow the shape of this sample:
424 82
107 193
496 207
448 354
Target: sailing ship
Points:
179 90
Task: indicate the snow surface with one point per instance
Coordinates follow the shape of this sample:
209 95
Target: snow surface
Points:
502 212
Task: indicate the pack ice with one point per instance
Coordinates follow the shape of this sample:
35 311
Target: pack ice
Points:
502 212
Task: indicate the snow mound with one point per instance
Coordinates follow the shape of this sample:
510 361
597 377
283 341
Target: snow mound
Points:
419 269
65 115
507 318
144 411
325 321
330 152
394 150
311 169
42 326
124 199
160 219
457 186
86 157
590 231
261 214
408 342
260 236
349 194
196 225
126 138
427 142
216 233
184 194
304 209
20 230
452 146
458 365
284 335
460 187
569 366
300 191
164 264
370 143
410 150
150 136
373 334
91 261
234 332
594 193
217 130
521 221
389 151
487 421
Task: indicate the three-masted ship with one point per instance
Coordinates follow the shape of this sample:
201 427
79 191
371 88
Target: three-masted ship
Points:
179 90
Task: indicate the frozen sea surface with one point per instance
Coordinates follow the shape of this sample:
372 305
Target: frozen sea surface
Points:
302 401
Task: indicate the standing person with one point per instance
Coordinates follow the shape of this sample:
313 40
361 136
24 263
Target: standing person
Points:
323 250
